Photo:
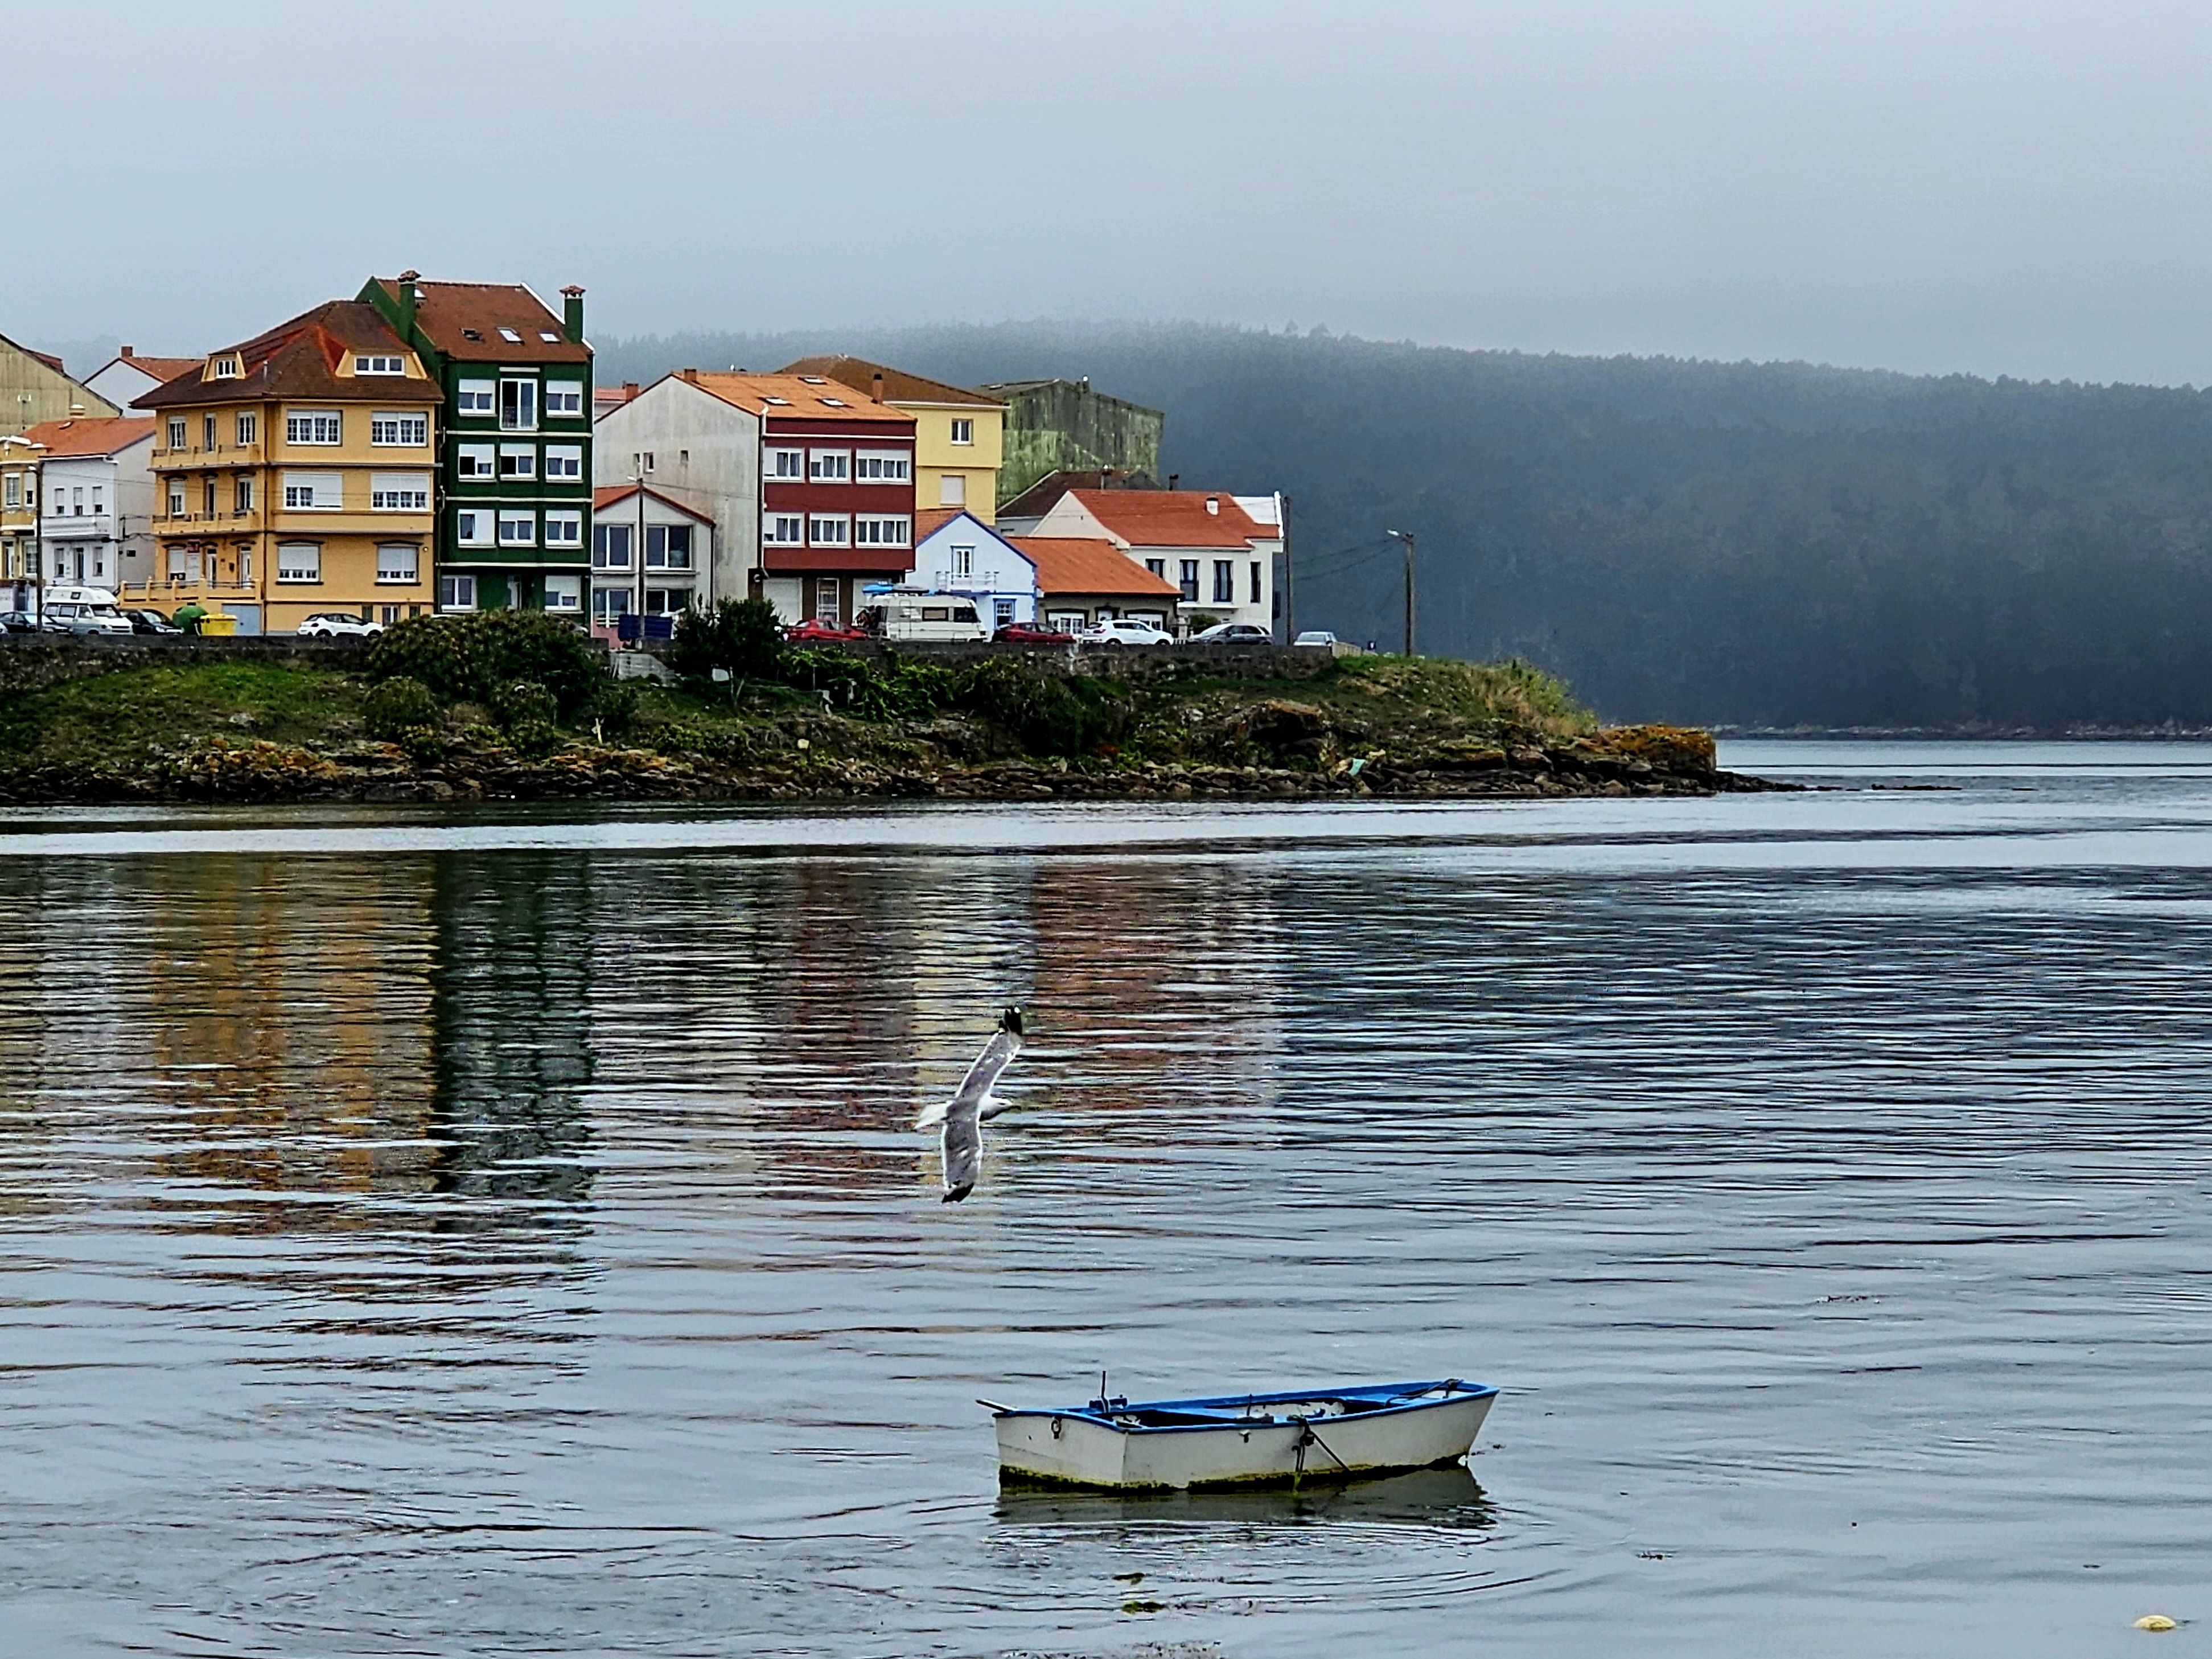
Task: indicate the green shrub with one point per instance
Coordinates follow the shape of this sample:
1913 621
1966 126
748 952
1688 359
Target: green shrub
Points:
531 736
740 636
521 701
397 705
472 656
1049 714
614 708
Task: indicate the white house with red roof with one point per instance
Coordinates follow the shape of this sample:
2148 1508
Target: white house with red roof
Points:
650 556
96 487
127 376
1219 555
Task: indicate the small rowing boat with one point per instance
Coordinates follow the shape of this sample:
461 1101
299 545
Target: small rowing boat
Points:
1309 1434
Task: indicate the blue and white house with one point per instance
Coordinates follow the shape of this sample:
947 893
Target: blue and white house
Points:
956 552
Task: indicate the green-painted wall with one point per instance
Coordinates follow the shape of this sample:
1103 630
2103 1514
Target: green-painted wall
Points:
1065 426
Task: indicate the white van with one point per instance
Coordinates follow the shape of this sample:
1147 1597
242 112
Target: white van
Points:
913 614
81 610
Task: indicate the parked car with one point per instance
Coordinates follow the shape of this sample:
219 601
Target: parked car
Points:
1233 633
83 610
1125 630
150 622
18 622
1316 636
814 631
338 625
1031 634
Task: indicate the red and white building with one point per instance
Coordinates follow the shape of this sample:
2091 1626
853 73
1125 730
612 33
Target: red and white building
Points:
809 485
1218 550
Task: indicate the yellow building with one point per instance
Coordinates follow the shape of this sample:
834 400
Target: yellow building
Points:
293 475
959 436
19 520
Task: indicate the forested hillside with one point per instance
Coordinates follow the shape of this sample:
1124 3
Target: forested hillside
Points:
1741 544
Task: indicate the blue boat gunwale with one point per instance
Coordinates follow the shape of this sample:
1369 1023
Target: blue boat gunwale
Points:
1388 1394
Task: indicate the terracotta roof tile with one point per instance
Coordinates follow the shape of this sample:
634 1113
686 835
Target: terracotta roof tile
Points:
931 519
164 370
300 358
1087 564
89 435
899 387
448 311
787 394
1172 518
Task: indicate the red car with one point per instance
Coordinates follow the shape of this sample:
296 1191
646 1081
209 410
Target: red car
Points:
1030 633
814 631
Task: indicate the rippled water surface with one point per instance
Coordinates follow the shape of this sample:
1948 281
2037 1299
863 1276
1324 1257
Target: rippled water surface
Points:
453 1234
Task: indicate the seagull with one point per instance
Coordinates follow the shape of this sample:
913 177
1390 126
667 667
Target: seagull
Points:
972 1105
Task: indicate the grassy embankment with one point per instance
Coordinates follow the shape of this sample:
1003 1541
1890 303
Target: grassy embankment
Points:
480 715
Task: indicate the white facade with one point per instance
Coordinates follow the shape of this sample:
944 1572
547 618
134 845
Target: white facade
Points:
965 555
96 516
700 451
1221 580
123 382
649 554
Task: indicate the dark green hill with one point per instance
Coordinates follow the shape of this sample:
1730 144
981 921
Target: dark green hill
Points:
1737 543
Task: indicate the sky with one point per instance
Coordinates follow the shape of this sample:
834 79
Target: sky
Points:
1997 187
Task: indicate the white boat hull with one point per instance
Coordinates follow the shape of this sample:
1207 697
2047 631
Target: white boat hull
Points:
1084 1450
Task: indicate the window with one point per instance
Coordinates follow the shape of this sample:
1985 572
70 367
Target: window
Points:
241 498
564 461
476 398
517 461
668 547
964 561
397 562
1068 622
667 601
246 564
510 336
1190 583
517 529
298 561
312 426
882 466
564 529
379 364
782 530
609 602
611 547
399 492
564 592
475 460
882 530
176 498
784 463
207 431
953 489
78 501
472 529
549 337
318 492
830 465
399 431
207 499
456 592
835 402
518 405
828 604
640 462
1224 582
245 425
11 493
1255 581
177 434
564 398
770 397
1157 567
829 529
225 368
964 431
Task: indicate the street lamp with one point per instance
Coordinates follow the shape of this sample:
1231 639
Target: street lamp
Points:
1407 537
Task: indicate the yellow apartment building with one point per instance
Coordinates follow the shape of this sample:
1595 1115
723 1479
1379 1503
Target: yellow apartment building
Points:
959 436
19 520
294 474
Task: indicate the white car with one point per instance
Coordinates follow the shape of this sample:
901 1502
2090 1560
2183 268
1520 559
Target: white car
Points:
1233 633
338 625
1125 630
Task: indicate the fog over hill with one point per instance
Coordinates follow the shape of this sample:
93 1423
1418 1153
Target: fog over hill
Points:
1747 544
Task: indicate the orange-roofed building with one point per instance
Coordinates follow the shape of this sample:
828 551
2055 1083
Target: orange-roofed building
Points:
96 491
1219 551
810 484
1084 581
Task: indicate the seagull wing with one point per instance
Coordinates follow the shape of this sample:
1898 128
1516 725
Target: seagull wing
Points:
998 1054
962 1114
963 1155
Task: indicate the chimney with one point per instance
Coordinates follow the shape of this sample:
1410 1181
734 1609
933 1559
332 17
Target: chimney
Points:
410 296
1213 505
630 390
128 352
690 375
572 313
876 390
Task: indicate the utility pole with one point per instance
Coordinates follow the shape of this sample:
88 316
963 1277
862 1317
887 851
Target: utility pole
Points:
1407 537
1290 579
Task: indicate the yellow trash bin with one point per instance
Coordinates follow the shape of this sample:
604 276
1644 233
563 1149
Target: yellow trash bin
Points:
220 623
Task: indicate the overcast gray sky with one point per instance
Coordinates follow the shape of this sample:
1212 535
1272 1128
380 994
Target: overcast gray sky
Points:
2012 186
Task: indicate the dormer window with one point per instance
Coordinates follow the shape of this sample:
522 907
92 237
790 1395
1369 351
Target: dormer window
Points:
225 368
379 364
510 336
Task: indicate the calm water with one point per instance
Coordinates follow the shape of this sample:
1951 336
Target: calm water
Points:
487 1236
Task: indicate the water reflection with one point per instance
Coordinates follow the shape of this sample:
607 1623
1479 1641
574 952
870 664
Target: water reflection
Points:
1448 1500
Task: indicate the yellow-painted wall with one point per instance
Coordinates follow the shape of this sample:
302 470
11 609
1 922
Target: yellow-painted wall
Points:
936 456
19 523
244 566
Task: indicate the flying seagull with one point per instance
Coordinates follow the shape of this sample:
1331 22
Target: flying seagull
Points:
972 1105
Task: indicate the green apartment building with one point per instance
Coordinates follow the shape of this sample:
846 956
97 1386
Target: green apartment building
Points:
514 472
